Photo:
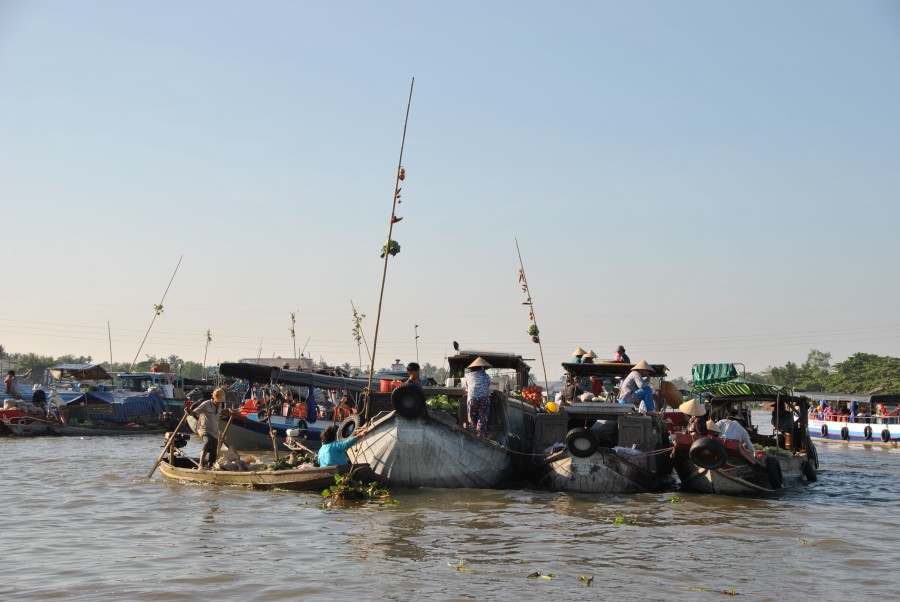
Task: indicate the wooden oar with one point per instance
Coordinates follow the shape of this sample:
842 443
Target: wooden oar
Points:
225 432
168 446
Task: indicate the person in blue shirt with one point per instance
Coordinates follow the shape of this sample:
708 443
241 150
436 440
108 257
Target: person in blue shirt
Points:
334 453
415 375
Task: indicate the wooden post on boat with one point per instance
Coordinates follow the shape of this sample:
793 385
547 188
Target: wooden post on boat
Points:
387 247
530 305
225 432
168 446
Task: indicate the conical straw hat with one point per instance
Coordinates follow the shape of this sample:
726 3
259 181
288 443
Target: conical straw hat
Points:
590 354
692 407
579 352
671 393
712 426
480 363
643 365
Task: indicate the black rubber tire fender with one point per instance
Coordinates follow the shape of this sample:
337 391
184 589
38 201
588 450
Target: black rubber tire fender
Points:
408 401
825 431
773 468
809 472
708 453
845 433
582 442
348 427
886 436
867 433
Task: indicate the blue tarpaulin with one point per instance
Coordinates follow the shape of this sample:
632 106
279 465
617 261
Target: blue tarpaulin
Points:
122 409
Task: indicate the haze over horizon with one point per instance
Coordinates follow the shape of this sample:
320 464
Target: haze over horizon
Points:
699 182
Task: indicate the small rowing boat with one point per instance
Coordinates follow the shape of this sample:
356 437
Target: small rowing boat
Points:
307 478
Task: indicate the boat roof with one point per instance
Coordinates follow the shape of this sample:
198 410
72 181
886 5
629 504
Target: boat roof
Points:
616 369
263 374
509 361
80 371
739 389
877 398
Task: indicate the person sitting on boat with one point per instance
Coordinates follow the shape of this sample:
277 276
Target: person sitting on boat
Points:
578 354
648 401
414 371
732 429
207 415
637 379
828 413
881 410
478 391
596 385
621 356
588 358
334 453
12 385
697 423
571 391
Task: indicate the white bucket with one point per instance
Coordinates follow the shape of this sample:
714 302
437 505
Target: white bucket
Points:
168 391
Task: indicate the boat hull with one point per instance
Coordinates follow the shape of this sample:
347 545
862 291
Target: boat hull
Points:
603 472
740 480
303 479
247 433
880 431
80 430
429 452
25 424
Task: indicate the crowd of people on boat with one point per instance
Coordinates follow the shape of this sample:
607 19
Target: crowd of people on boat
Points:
853 411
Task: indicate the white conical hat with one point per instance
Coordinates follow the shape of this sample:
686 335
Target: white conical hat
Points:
590 354
692 407
712 426
643 365
480 363
579 352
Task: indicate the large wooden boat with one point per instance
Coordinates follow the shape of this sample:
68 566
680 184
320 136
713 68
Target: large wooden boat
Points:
308 478
608 446
865 419
24 423
413 447
722 466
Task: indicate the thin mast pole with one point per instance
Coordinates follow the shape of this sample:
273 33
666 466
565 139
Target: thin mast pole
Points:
530 303
387 249
109 334
158 309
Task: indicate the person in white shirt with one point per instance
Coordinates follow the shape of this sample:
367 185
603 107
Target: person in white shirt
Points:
732 429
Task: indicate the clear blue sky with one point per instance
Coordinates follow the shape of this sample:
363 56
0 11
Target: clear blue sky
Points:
699 181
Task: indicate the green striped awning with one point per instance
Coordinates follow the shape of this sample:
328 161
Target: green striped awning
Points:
705 374
738 387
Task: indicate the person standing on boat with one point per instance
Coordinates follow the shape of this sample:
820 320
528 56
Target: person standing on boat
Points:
414 372
334 453
12 385
621 356
637 379
207 415
478 390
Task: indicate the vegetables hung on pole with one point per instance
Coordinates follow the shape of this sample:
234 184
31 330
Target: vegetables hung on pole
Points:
401 175
157 311
533 329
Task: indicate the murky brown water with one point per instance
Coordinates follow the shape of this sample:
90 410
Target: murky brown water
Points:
80 522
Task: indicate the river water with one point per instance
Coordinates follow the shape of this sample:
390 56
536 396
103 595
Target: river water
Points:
82 522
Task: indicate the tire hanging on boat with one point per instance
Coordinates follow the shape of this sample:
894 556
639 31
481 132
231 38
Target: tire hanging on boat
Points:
886 436
825 431
708 453
348 427
582 442
408 401
809 472
867 433
773 467
845 433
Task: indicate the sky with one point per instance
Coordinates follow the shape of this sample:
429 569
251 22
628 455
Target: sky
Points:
697 181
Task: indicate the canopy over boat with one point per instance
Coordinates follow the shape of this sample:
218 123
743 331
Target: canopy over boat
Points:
498 361
739 388
80 371
263 374
707 374
111 407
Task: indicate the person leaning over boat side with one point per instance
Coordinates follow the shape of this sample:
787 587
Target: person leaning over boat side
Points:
12 385
636 379
478 390
732 429
207 415
334 453
414 373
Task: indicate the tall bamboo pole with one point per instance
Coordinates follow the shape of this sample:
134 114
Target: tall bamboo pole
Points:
387 248
530 304
157 310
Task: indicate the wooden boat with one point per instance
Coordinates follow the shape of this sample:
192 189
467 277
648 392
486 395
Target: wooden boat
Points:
722 466
412 447
26 423
866 420
609 447
107 430
312 478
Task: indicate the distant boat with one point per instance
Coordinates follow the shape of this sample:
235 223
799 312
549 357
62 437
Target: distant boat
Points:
866 421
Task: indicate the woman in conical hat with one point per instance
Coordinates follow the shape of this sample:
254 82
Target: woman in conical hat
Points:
713 427
577 354
588 358
478 390
697 423
692 407
637 379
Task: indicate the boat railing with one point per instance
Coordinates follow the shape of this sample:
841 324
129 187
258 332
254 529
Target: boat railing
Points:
877 419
